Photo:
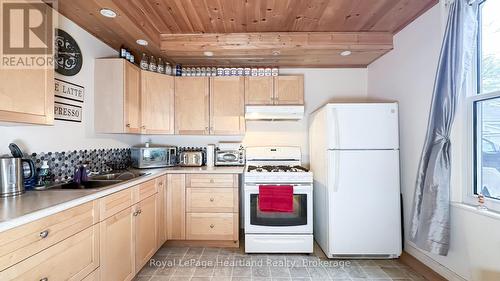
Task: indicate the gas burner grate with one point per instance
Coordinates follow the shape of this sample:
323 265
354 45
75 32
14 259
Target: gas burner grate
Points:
277 168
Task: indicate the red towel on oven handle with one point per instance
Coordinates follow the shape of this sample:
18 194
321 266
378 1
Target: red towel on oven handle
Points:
276 198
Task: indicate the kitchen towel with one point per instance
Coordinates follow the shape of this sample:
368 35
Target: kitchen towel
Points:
276 198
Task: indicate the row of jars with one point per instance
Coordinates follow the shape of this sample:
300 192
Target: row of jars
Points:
225 71
164 67
154 65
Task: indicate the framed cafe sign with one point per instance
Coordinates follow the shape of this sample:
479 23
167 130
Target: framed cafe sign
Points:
67 112
68 101
67 90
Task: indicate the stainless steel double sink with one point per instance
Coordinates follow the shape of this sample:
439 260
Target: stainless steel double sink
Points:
98 181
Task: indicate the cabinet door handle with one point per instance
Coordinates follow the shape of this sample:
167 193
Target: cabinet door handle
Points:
212 226
211 200
44 234
127 125
136 213
44 279
143 127
140 211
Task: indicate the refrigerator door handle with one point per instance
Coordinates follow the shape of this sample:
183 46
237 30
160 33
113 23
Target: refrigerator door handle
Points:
335 162
335 118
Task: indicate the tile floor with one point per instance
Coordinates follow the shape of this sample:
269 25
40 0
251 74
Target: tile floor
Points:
220 264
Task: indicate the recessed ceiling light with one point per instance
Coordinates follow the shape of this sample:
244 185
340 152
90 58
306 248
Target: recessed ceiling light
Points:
142 42
345 53
108 13
208 53
276 53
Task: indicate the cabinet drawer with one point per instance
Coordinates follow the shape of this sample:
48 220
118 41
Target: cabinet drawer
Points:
115 203
212 200
24 241
71 259
211 226
144 190
211 180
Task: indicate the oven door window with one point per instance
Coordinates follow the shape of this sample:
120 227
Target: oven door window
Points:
297 217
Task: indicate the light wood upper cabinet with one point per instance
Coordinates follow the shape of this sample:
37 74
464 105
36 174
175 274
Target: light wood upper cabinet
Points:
157 93
278 90
27 96
132 106
227 105
145 231
259 90
129 100
117 96
192 105
117 246
289 90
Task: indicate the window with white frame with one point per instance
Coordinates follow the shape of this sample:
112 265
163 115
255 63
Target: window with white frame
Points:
485 106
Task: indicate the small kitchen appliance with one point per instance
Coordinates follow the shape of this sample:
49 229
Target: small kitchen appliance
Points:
277 231
27 166
230 154
354 151
191 158
230 157
154 157
11 176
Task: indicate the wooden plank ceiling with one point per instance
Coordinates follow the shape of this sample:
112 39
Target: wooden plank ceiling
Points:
286 33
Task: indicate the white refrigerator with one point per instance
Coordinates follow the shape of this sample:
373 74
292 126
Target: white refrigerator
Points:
354 155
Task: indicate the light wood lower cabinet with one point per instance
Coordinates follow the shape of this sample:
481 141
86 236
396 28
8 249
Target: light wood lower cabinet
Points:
130 234
176 207
203 208
117 247
113 237
22 242
72 259
161 209
145 231
212 226
211 200
211 180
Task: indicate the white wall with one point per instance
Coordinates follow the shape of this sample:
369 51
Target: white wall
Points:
69 135
406 75
320 86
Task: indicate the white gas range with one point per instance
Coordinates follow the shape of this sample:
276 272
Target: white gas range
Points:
278 232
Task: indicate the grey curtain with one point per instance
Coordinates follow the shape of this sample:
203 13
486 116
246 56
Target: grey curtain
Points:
430 222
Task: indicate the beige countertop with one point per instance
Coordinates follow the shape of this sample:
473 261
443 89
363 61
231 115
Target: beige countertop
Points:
33 205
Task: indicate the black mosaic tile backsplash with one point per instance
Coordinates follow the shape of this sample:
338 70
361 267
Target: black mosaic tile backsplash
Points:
62 164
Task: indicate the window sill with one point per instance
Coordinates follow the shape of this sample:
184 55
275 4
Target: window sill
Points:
473 209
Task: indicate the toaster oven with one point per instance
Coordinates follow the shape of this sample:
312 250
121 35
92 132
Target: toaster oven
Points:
154 157
230 157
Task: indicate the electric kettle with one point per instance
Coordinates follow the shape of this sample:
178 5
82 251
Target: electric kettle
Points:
27 166
11 176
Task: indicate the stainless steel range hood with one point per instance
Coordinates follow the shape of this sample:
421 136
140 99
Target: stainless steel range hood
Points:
274 112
